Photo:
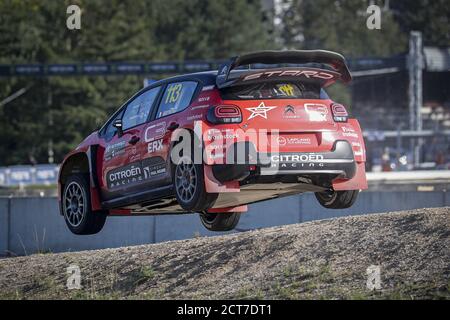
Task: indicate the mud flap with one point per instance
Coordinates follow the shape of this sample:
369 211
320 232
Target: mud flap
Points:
212 185
92 154
358 182
239 209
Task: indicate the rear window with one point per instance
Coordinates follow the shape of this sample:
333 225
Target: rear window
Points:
271 90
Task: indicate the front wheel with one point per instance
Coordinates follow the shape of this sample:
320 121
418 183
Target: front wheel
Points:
76 205
220 221
337 199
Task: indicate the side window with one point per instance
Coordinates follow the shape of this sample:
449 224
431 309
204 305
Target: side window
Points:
137 111
110 130
176 98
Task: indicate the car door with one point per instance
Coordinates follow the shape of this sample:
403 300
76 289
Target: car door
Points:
166 118
122 171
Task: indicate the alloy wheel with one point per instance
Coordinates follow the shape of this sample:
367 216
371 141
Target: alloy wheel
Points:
74 204
186 179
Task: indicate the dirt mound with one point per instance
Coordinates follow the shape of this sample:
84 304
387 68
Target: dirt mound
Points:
325 259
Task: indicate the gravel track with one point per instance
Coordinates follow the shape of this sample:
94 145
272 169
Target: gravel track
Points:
325 259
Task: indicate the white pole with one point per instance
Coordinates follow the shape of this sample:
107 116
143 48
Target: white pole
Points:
415 67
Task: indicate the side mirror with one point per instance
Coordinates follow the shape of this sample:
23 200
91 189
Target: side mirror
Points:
118 125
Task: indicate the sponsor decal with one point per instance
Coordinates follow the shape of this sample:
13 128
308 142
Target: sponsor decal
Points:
124 175
215 134
208 88
154 170
317 112
213 146
136 172
349 132
194 117
347 129
204 99
153 166
216 155
357 150
296 161
154 136
295 165
282 141
259 111
297 158
134 155
155 146
134 158
114 150
155 132
309 74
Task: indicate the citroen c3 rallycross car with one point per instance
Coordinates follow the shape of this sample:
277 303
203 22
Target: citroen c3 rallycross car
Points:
259 128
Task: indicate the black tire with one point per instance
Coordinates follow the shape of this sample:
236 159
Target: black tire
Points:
76 206
199 200
191 192
337 199
220 221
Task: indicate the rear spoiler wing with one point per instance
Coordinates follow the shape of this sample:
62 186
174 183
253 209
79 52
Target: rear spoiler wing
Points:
331 59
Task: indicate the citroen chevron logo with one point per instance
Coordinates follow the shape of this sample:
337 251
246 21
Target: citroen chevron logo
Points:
260 111
288 109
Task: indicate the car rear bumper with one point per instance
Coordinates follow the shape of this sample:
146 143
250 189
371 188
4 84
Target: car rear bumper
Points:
339 163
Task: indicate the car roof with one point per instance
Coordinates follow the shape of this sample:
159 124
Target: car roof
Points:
206 77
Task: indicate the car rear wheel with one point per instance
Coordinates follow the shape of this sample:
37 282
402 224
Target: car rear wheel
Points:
189 185
220 221
337 199
76 205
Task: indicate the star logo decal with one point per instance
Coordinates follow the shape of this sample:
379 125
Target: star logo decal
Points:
260 111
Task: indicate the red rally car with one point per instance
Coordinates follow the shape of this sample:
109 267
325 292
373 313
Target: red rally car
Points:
259 128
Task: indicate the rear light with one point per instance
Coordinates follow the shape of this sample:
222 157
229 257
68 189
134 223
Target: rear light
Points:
340 114
224 114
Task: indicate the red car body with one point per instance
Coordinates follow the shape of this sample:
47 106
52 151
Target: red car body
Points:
291 145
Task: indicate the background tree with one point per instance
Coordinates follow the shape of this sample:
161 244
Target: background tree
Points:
340 25
63 110
431 17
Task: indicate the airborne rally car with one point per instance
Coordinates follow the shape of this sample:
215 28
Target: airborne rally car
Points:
259 128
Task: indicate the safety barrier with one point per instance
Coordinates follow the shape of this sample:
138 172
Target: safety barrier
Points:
31 225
